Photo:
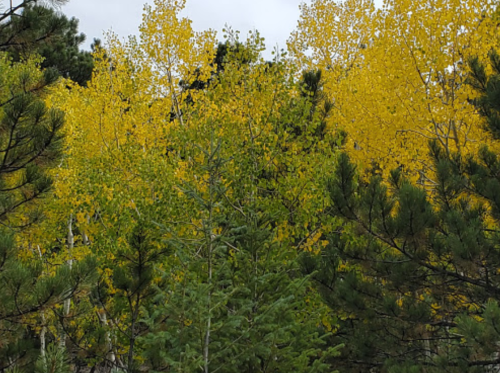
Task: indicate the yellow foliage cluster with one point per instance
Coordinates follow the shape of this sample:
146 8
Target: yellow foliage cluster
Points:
397 75
136 136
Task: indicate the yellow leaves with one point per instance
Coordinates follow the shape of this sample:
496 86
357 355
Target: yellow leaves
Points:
397 75
331 33
342 267
179 276
232 258
313 243
283 232
132 204
326 322
477 318
174 49
435 308
81 217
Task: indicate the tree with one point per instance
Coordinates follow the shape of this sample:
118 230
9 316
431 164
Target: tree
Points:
127 297
13 10
30 143
412 275
229 50
31 138
486 85
234 291
396 81
30 28
146 166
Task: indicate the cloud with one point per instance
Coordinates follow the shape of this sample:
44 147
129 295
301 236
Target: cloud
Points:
97 17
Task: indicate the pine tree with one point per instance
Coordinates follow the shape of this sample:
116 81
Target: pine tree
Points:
13 36
235 301
123 301
31 28
31 137
30 145
412 274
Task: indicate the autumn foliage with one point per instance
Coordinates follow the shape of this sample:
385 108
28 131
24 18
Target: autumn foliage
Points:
332 209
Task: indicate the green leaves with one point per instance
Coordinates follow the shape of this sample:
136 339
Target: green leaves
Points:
230 302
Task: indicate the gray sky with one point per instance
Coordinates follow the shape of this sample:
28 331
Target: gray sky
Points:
274 19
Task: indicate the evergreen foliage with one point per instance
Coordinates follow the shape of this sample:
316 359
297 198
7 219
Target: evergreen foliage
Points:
414 272
237 302
53 361
30 142
30 138
195 223
488 86
127 297
32 28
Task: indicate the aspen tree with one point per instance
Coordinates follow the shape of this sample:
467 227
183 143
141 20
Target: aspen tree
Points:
396 75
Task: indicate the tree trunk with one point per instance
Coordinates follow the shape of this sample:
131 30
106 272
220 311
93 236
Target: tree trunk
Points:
67 301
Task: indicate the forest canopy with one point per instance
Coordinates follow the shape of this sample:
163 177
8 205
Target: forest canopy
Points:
177 203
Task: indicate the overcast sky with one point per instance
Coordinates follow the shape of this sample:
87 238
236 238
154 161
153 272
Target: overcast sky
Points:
274 19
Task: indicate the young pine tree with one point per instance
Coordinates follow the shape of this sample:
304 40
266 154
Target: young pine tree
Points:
235 300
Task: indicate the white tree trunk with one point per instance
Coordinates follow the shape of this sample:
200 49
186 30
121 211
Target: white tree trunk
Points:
111 354
42 315
67 301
